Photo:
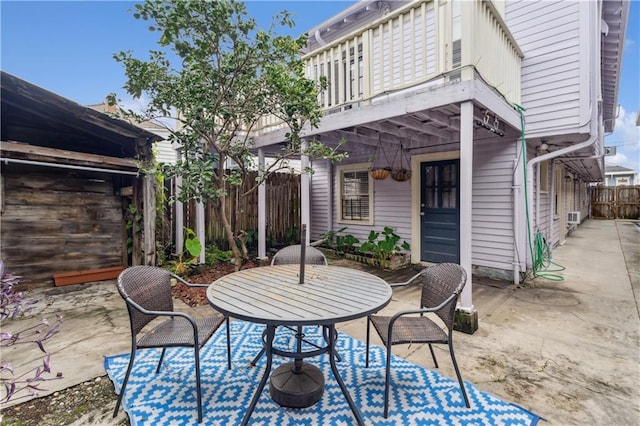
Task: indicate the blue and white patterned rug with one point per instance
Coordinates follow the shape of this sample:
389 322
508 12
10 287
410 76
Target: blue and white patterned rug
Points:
419 396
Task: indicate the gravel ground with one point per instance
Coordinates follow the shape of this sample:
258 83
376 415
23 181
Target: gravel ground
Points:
89 403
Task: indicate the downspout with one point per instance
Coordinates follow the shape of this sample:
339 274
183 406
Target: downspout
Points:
517 190
593 138
552 197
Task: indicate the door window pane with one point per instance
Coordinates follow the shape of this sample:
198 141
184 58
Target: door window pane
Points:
431 186
449 185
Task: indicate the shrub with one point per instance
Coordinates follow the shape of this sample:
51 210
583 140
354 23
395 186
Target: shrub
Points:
383 244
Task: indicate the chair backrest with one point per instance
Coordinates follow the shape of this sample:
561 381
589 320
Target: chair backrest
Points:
149 287
439 282
291 255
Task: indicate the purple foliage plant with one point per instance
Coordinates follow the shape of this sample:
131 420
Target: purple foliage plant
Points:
13 304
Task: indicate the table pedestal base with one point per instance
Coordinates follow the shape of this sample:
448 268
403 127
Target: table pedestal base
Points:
296 386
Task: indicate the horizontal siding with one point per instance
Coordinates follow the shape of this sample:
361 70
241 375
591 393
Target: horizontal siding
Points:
320 199
548 33
391 207
492 199
164 152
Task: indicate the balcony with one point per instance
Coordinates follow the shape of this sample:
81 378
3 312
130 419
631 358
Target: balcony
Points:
419 44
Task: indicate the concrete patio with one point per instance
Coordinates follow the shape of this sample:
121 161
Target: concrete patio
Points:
566 350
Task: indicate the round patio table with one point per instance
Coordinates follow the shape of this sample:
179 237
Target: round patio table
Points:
273 295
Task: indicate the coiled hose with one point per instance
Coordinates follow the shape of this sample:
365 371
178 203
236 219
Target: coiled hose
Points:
541 255
543 266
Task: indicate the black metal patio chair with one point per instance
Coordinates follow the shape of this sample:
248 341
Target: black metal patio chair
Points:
441 286
147 293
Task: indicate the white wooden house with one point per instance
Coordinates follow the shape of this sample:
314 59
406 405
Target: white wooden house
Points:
618 176
441 83
164 151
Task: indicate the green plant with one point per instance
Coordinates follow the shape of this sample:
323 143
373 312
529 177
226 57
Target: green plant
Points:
192 244
252 239
292 235
329 237
340 243
383 245
193 247
133 226
346 243
213 254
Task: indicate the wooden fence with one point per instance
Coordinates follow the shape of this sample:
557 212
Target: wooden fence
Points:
615 202
282 215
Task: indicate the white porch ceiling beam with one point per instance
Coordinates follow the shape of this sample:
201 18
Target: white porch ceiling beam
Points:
440 118
422 100
418 126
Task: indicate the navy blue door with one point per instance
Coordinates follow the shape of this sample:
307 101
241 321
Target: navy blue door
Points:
440 211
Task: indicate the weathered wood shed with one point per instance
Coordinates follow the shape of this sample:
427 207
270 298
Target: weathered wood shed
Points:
70 181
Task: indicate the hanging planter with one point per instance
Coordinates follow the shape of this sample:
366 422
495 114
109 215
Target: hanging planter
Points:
377 172
401 174
380 174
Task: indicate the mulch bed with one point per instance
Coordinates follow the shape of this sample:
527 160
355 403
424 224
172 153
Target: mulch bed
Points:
204 274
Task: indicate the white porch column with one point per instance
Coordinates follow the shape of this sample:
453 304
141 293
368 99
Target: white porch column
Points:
179 220
262 211
305 192
466 173
200 230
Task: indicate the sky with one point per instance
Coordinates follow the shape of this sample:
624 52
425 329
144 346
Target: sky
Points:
67 47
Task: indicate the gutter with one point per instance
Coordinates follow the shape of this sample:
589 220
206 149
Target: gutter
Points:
70 166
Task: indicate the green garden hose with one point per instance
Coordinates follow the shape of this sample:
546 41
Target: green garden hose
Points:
541 257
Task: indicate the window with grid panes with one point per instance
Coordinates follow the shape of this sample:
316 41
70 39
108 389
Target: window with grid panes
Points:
355 196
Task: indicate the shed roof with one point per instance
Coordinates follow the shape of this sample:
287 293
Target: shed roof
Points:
33 115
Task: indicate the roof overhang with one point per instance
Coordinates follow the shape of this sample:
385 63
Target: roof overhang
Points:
615 14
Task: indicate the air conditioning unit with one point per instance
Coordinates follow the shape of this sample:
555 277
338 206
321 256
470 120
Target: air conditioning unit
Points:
573 217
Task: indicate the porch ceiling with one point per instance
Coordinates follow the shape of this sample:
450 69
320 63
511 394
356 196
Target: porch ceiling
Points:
424 118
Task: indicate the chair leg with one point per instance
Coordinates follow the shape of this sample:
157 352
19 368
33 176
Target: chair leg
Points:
387 379
366 357
198 390
433 355
255 360
228 345
160 362
124 382
455 367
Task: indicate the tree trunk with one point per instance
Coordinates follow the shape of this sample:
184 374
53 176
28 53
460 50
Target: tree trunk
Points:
229 232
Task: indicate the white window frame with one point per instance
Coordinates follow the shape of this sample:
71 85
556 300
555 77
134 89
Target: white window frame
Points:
350 168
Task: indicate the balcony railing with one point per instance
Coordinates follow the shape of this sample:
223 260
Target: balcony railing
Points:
422 43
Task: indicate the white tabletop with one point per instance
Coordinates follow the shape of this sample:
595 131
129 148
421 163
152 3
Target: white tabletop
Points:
273 295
